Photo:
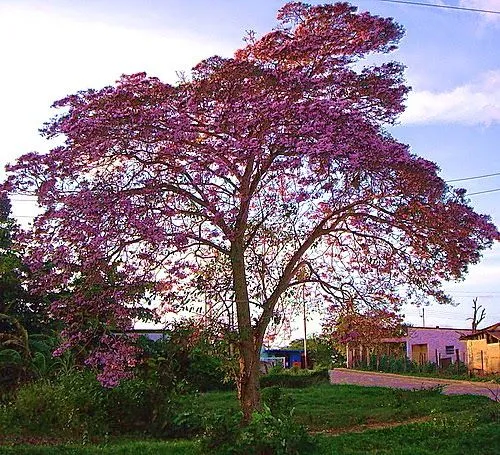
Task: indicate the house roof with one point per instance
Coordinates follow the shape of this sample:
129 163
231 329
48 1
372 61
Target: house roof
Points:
409 329
290 350
493 330
440 328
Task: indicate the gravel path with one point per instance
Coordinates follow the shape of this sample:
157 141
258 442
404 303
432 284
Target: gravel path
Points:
394 381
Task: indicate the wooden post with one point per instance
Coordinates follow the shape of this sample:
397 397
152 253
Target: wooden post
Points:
457 360
482 362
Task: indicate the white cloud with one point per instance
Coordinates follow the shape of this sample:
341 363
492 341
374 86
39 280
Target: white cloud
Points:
490 5
46 56
487 5
471 104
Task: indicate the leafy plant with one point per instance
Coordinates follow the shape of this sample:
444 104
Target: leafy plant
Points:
140 406
265 434
71 405
190 356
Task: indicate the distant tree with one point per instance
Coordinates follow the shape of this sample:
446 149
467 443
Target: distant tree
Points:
273 167
321 352
15 299
477 317
367 328
21 313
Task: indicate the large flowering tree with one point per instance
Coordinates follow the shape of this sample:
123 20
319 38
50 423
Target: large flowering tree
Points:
259 174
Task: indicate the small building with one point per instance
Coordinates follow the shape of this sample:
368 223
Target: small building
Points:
483 350
287 358
441 346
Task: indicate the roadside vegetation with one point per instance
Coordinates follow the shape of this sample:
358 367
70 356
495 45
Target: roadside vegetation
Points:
319 419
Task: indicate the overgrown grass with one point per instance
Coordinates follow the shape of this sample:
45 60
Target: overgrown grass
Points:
123 448
443 436
454 425
338 407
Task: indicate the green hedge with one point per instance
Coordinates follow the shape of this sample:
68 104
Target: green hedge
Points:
295 378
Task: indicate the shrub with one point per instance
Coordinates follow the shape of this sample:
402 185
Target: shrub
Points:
278 403
200 360
206 372
266 434
72 406
221 432
136 405
294 378
76 406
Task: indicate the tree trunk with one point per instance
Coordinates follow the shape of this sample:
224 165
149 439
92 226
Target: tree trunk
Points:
248 381
249 346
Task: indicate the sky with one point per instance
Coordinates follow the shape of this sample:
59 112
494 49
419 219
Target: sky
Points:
51 48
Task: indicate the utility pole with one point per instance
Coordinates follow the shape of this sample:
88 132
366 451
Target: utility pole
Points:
305 327
423 317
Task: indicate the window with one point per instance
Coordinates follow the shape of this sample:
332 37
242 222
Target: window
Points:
450 350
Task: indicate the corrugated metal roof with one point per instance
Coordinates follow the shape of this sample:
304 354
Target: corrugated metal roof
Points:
493 330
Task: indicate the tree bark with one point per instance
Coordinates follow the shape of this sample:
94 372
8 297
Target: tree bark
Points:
248 381
248 344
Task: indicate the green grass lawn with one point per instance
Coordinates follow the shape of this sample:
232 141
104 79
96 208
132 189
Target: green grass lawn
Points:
449 425
124 448
327 407
430 438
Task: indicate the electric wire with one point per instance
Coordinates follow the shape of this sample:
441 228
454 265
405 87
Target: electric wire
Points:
476 177
433 5
463 179
494 190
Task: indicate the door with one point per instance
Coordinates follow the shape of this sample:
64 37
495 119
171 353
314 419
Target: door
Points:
419 353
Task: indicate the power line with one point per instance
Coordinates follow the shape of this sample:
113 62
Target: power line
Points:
433 5
19 193
483 192
473 178
476 177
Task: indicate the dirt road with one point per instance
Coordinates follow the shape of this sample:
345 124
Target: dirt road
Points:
451 387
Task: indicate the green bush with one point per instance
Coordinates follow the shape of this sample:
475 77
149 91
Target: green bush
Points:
206 372
73 406
76 406
266 434
294 378
270 432
278 403
138 406
199 360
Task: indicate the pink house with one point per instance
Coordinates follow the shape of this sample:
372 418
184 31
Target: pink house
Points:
441 346
435 345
